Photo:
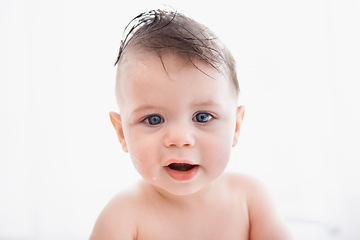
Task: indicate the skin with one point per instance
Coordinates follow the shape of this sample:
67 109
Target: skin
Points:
182 114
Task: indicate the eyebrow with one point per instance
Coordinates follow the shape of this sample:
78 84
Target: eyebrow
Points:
145 107
210 103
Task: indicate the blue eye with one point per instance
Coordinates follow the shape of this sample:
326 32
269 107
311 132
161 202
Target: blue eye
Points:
202 117
154 120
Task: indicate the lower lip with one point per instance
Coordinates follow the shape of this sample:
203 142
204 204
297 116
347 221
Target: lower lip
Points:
182 176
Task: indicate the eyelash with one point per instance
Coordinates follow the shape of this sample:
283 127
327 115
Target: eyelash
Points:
208 115
147 119
160 120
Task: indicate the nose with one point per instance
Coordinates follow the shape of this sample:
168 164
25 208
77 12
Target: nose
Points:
179 136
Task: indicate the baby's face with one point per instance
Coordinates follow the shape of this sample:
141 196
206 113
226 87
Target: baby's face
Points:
179 125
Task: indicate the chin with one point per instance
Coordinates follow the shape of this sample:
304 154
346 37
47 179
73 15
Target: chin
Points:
181 189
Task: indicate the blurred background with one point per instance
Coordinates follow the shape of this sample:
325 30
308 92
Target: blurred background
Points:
60 161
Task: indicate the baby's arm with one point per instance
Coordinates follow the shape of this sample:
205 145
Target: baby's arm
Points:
114 223
265 223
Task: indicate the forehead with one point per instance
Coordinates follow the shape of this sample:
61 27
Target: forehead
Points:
143 70
169 60
166 58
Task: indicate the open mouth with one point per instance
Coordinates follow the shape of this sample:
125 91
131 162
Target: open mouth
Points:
181 166
182 171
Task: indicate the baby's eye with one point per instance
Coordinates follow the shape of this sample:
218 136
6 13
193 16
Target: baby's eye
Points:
154 120
202 117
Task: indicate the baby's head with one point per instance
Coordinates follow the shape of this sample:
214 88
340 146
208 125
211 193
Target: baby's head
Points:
177 92
160 32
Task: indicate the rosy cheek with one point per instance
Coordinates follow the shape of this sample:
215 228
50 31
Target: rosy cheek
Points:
137 163
141 154
220 152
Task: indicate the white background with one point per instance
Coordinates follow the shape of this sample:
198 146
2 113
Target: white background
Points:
60 161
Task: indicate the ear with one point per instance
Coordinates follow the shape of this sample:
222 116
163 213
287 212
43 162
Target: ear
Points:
240 113
116 122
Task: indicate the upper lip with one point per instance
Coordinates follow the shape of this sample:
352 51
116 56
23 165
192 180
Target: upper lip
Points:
170 161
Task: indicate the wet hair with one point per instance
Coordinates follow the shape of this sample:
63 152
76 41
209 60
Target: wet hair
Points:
160 30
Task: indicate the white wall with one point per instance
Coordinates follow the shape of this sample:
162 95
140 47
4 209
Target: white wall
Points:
299 72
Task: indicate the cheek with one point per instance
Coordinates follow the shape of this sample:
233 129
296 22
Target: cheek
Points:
143 152
221 146
137 143
216 151
221 152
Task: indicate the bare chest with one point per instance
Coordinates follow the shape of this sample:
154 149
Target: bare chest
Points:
223 222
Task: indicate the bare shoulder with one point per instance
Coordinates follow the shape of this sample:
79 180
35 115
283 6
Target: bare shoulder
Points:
240 179
118 218
265 223
245 184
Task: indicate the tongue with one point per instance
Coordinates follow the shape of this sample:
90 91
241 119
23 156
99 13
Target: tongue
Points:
181 166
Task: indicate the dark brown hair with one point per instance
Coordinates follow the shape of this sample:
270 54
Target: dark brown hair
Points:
158 30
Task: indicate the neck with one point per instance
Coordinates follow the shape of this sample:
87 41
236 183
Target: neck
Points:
191 200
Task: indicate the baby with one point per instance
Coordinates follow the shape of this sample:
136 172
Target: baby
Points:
177 91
